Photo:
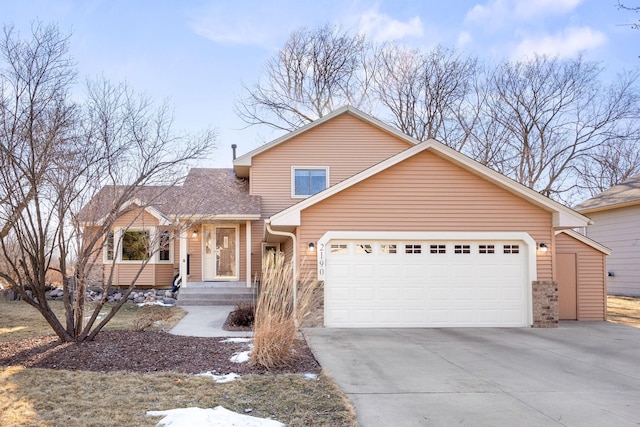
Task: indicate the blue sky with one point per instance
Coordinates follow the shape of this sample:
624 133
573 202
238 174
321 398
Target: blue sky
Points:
198 53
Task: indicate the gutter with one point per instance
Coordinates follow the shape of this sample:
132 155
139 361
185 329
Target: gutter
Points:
294 283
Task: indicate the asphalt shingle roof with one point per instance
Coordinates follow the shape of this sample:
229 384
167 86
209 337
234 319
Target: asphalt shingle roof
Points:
205 192
624 193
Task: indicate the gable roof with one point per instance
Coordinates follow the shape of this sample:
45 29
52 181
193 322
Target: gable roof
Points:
206 193
587 241
618 196
563 217
242 164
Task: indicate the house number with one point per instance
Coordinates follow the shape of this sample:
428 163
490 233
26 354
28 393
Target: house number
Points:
321 247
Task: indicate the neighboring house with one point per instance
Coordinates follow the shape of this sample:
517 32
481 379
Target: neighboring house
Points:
402 233
616 224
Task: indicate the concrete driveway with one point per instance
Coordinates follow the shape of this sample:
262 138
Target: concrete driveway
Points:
581 374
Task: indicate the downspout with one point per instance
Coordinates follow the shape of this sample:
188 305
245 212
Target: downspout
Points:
295 264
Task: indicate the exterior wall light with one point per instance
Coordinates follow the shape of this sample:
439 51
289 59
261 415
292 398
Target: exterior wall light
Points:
194 233
542 247
312 247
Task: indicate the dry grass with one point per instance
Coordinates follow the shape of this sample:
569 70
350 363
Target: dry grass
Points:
19 320
276 321
625 310
40 397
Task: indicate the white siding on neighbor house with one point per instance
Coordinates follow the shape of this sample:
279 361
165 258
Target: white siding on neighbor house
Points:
619 230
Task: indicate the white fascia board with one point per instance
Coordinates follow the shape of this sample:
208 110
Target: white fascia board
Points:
587 241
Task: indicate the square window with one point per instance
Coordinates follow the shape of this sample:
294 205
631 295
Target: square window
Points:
487 249
462 249
307 182
135 245
363 249
438 249
338 248
511 249
413 249
388 249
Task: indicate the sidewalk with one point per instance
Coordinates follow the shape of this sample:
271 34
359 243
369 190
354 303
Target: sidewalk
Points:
206 321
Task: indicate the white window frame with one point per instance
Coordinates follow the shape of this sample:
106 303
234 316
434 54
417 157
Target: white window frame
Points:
154 237
293 179
105 248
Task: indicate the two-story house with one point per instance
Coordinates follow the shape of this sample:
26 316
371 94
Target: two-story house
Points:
401 233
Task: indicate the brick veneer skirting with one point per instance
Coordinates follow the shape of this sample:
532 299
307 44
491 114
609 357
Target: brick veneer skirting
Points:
545 304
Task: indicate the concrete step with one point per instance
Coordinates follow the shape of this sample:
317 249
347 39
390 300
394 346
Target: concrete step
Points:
220 295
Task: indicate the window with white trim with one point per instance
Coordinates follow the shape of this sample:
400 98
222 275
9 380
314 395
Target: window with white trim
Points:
109 245
462 249
136 245
165 252
486 249
438 249
511 249
363 249
412 249
338 248
388 248
307 181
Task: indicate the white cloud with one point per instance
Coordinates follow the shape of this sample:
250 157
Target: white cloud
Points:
464 38
566 43
497 12
381 28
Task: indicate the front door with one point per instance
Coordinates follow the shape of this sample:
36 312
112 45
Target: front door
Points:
220 252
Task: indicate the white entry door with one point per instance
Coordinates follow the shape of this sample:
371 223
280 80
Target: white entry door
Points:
220 252
396 283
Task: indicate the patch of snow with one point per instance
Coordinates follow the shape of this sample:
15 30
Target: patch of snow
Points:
220 378
210 417
160 303
311 376
237 340
240 357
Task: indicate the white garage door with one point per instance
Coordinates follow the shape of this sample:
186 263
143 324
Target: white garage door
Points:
426 283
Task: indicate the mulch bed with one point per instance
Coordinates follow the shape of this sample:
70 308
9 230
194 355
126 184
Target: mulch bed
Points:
143 352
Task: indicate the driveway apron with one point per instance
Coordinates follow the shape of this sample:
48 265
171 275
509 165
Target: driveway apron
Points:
580 374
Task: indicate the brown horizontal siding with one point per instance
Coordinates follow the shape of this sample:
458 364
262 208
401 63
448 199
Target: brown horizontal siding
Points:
591 270
427 193
194 249
164 275
137 218
345 144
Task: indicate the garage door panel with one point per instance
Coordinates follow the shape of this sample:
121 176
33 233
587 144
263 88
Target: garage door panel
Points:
416 288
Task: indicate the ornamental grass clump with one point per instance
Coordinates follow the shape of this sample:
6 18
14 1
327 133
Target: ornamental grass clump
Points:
276 321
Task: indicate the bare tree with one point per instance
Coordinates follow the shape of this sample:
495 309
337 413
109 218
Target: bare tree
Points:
315 72
56 155
428 94
556 113
636 9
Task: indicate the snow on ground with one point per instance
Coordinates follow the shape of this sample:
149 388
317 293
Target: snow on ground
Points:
220 378
311 376
160 303
237 340
211 417
240 357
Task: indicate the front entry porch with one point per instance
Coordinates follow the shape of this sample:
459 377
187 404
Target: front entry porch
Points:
216 254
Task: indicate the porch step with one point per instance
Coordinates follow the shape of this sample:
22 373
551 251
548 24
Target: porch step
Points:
215 294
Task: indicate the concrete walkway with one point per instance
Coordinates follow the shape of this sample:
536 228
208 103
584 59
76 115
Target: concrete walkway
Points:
206 321
581 374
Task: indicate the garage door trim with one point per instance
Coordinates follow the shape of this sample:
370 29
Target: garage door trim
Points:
530 250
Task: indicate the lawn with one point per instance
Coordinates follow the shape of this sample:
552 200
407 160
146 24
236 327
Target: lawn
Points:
56 397
625 310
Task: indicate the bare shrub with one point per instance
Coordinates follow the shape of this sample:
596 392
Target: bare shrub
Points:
243 315
277 319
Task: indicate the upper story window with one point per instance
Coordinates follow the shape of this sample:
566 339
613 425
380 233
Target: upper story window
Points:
307 181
